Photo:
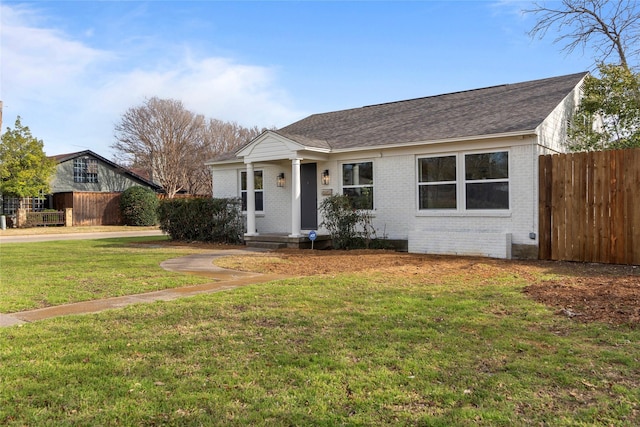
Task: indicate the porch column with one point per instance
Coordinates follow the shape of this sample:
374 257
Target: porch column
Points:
251 202
295 198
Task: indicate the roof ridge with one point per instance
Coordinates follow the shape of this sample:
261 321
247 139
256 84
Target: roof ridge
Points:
467 91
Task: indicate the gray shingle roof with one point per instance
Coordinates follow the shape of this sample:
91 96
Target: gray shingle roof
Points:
493 110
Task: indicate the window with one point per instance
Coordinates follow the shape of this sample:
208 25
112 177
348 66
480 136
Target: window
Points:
437 183
487 180
10 205
485 177
258 190
85 170
357 184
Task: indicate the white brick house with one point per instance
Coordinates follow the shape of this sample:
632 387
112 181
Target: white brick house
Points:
448 174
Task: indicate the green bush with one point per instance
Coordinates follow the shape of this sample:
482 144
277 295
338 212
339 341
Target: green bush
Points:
138 206
202 219
350 228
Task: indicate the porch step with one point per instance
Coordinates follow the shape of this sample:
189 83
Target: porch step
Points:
279 241
266 245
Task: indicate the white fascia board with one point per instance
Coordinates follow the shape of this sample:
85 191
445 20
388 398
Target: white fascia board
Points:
441 141
311 153
222 162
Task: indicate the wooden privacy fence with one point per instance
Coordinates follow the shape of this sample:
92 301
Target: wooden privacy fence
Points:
90 208
590 207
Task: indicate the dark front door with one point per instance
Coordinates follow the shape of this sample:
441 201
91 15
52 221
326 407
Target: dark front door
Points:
308 196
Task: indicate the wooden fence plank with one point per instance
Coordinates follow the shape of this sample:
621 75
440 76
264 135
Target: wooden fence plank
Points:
589 229
544 207
604 234
633 183
556 208
564 225
617 211
578 210
627 232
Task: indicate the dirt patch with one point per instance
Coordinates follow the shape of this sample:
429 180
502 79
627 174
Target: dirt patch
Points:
610 299
582 291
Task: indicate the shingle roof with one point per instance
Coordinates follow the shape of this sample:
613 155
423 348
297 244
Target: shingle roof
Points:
493 110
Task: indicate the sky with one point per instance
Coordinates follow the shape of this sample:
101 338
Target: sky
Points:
71 69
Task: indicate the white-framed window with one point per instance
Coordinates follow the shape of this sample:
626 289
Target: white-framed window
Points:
486 179
357 184
437 187
258 189
464 181
85 170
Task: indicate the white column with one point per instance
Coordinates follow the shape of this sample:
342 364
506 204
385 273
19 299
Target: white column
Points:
251 202
295 198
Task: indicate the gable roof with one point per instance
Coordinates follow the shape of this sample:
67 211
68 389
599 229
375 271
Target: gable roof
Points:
517 108
493 110
60 158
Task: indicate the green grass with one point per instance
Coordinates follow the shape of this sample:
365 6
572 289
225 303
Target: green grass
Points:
361 350
36 275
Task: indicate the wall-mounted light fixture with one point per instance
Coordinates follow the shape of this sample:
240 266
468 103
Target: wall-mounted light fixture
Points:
281 181
326 179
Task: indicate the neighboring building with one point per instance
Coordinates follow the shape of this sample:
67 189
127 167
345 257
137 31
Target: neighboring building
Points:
86 182
86 171
447 174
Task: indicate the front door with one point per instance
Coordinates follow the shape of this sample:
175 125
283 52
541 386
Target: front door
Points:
308 196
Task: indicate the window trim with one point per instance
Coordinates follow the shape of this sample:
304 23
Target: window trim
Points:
461 185
256 190
437 183
373 179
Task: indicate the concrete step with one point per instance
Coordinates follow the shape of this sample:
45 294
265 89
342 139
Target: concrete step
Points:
266 245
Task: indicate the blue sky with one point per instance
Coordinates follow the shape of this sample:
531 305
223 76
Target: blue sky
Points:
70 69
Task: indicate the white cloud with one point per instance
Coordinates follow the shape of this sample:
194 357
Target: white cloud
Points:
71 95
40 61
216 87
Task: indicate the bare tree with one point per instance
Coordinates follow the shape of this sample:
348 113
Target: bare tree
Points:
162 137
223 137
610 27
172 144
218 137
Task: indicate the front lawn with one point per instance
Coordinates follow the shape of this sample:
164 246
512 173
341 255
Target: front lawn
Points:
370 348
36 275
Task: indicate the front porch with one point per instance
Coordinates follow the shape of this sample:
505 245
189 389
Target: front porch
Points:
283 240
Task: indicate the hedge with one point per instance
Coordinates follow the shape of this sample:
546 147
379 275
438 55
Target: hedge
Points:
138 206
202 219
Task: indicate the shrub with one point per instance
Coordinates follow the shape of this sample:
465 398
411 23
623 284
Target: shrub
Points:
138 206
349 228
202 219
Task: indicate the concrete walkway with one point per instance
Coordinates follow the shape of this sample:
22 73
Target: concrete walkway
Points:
200 264
29 238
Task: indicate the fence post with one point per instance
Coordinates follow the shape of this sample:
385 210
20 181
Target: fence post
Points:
21 218
68 217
